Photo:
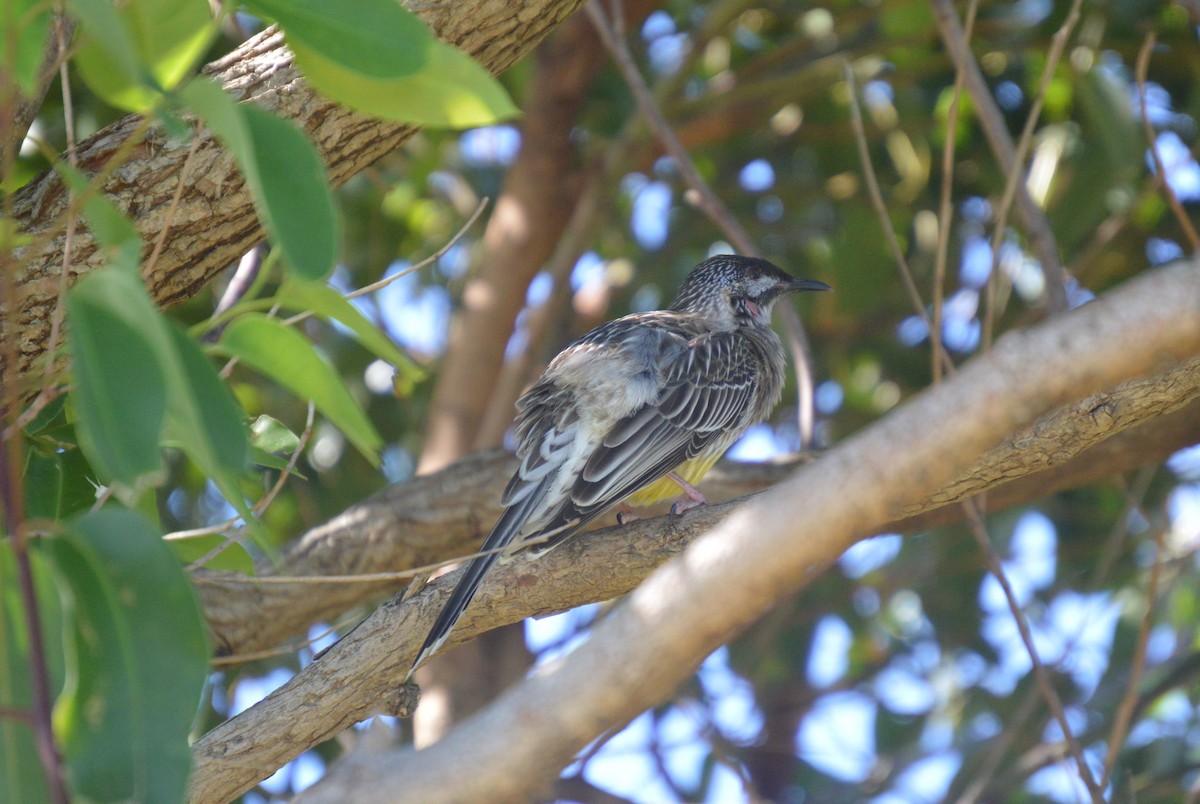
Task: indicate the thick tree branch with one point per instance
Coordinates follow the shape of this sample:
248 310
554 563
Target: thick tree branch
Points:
214 223
640 652
770 547
446 514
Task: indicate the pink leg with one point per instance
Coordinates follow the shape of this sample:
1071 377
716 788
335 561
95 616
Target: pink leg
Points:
692 494
625 515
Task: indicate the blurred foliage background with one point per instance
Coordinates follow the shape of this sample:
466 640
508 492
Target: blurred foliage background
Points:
898 676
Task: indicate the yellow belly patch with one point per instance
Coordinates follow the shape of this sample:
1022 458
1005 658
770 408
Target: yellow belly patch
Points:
667 489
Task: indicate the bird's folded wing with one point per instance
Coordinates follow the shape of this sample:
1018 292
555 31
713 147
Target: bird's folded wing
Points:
703 397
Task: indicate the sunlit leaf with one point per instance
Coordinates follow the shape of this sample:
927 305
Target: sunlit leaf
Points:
326 302
232 558
285 356
131 52
26 23
451 90
271 435
139 664
376 38
284 173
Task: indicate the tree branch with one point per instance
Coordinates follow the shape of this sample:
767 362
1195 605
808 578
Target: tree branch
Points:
214 223
773 545
639 653
436 517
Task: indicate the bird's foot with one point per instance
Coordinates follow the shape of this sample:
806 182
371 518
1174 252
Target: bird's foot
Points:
626 516
692 495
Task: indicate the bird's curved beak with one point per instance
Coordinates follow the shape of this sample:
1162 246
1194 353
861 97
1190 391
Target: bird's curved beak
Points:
798 285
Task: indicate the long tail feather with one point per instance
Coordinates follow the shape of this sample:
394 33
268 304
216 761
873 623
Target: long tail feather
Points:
507 528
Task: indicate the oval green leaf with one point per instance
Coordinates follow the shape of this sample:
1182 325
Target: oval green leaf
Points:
140 659
284 173
119 391
202 416
451 90
285 356
322 300
21 775
131 52
375 38
26 23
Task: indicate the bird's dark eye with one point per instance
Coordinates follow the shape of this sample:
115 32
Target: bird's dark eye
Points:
753 273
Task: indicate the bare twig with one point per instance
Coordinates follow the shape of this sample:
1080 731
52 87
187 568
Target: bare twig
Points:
946 209
184 172
1141 68
1129 702
703 198
995 130
1015 175
979 530
269 497
880 206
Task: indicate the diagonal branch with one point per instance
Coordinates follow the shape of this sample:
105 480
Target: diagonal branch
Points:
436 517
214 223
644 648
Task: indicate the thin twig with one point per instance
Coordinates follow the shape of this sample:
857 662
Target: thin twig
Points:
979 530
1016 173
1141 68
703 198
161 241
370 577
998 746
253 656
991 120
269 497
946 209
1120 729
880 206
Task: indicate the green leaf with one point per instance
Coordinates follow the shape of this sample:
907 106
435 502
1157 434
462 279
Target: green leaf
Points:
131 52
27 24
271 435
140 658
202 416
288 358
120 387
112 229
135 371
56 484
451 90
233 558
326 302
375 38
284 173
21 777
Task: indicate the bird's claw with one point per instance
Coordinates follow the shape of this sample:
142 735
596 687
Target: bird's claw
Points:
686 504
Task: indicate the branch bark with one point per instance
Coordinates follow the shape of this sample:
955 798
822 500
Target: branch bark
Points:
214 223
439 516
641 651
770 547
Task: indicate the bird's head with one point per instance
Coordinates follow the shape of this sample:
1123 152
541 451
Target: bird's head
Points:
737 290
